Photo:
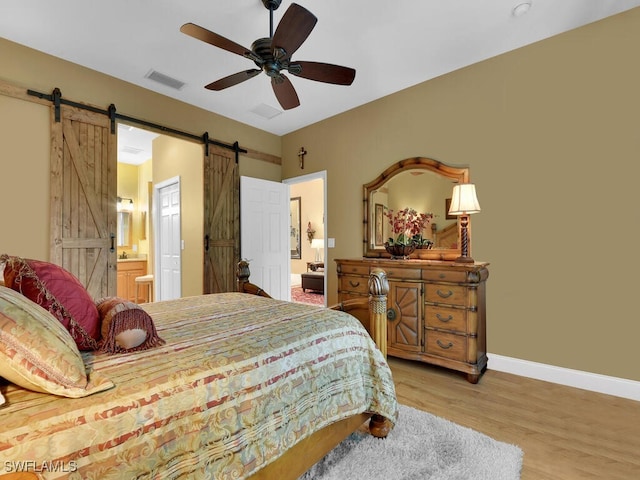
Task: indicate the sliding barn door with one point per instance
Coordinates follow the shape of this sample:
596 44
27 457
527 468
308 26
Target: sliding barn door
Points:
221 221
83 198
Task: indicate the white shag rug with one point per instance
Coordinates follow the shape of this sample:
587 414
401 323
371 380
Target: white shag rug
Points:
420 447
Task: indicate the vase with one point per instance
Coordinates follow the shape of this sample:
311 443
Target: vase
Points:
399 251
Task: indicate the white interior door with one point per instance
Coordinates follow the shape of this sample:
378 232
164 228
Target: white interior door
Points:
168 241
264 234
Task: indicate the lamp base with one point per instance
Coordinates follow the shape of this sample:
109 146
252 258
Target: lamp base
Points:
464 260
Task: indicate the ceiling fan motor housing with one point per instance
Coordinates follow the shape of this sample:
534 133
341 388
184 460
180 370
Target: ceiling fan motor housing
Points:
270 65
271 4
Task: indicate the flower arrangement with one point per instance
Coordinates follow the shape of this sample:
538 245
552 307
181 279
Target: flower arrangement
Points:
407 226
310 232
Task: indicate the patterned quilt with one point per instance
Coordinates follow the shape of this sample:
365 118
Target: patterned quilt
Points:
240 380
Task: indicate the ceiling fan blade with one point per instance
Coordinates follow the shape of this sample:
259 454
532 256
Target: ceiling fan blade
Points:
323 72
294 28
285 93
232 80
214 39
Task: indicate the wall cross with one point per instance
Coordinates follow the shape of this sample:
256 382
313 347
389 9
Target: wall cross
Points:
301 155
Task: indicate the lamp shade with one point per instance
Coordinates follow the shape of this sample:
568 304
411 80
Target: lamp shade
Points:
464 200
317 243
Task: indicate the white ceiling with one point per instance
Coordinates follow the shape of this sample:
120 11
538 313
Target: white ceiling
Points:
392 44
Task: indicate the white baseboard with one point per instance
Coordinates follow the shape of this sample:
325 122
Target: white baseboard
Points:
620 387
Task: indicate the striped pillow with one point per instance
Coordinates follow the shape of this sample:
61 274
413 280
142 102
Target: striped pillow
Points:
38 353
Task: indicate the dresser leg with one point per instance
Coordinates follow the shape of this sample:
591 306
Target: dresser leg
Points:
473 377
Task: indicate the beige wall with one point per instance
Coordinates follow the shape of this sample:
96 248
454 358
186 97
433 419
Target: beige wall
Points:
24 141
549 131
145 176
24 183
173 157
551 135
128 188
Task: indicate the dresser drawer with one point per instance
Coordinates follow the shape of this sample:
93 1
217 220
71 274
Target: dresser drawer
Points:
443 318
446 294
446 345
444 275
354 284
403 273
355 269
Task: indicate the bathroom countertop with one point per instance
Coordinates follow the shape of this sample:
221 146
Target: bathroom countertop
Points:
132 259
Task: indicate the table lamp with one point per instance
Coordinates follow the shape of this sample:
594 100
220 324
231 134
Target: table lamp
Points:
464 202
317 243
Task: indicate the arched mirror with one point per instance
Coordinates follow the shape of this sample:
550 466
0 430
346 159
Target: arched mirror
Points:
425 185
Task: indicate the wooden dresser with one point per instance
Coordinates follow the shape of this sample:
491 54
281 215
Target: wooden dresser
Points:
435 309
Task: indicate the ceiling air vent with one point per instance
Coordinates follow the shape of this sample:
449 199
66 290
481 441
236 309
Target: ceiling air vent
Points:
266 111
131 150
165 80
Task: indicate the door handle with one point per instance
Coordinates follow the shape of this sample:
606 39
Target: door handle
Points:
113 246
206 242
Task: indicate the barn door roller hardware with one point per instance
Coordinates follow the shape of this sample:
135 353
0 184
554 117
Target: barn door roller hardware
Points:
56 98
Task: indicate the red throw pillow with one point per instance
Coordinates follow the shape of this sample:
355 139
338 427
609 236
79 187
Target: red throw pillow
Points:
58 291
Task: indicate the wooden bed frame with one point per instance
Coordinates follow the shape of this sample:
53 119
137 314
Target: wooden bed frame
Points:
373 315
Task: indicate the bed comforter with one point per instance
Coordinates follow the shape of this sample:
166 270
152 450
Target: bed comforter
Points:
240 379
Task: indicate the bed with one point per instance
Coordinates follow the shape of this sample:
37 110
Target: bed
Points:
245 386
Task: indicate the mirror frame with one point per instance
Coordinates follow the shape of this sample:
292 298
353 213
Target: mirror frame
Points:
456 174
295 233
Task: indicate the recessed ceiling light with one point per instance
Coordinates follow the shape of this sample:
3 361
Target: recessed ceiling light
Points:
521 9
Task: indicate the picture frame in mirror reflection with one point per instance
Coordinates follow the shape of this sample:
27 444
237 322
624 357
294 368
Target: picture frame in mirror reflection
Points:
379 224
295 237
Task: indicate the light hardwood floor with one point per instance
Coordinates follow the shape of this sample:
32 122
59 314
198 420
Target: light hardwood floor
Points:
565 433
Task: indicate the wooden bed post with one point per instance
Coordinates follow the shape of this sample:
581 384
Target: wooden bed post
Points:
378 291
242 273
244 285
379 426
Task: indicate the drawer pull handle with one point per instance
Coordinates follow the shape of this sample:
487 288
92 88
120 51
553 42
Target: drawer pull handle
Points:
443 319
444 294
354 284
446 346
391 314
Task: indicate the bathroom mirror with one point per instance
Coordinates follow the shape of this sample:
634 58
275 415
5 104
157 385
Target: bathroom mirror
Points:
425 185
124 229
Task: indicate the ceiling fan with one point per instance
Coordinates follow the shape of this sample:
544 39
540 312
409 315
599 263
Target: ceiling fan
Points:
273 54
